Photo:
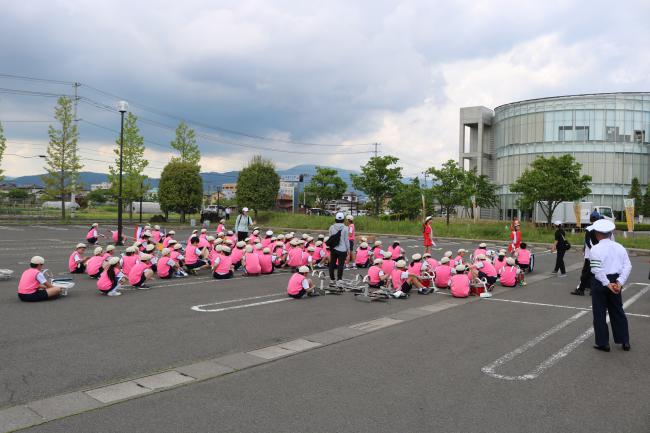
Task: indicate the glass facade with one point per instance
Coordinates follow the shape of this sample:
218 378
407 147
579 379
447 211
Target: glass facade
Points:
608 134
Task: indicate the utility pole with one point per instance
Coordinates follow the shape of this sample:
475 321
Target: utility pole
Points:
75 120
376 152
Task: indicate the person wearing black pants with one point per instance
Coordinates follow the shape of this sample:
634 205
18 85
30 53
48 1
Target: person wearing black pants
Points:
590 241
560 246
339 252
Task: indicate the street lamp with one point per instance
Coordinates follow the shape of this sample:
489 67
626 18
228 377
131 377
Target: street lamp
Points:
122 107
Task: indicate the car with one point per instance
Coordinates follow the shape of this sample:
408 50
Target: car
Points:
213 213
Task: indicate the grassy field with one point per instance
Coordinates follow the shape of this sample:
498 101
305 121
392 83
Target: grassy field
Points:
458 228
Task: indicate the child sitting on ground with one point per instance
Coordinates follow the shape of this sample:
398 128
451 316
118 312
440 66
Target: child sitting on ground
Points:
376 276
397 253
77 262
500 261
406 280
362 258
141 272
33 286
509 274
94 264
483 269
251 262
388 264
482 249
166 266
459 283
222 268
299 285
460 258
109 282
522 258
266 261
193 256
442 274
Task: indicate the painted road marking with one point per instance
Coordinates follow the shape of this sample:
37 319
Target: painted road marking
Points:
571 307
202 308
557 356
61 229
11 229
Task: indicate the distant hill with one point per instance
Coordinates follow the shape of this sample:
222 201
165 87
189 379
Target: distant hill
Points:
210 179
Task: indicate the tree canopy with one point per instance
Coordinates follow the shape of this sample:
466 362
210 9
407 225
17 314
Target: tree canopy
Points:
637 195
407 199
379 179
258 185
185 143
62 160
180 188
325 185
550 181
449 186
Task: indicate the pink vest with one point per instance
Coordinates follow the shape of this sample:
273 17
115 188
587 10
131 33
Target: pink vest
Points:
396 278
433 263
253 263
509 276
316 254
460 286
258 252
72 264
174 255
304 259
373 275
253 239
498 265
190 255
105 283
220 229
295 257
28 283
488 269
155 236
166 241
225 262
362 256
351 232
478 251
443 273
295 284
266 242
523 257
396 252
376 252
136 273
458 260
128 262
388 266
91 234
266 263
203 243
416 268
114 234
236 255
94 264
162 268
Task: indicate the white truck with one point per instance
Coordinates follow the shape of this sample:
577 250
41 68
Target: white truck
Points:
565 212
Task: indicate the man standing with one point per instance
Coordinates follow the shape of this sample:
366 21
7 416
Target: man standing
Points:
338 250
610 266
227 213
242 224
560 247
590 241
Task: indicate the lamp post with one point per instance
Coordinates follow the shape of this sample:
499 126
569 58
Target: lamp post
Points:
122 107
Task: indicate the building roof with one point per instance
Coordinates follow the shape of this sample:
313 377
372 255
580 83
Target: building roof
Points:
579 95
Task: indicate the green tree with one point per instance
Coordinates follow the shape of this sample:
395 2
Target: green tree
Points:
645 206
550 181
98 196
185 143
449 186
326 185
3 146
134 182
481 188
258 185
637 195
407 199
17 194
62 162
180 188
378 179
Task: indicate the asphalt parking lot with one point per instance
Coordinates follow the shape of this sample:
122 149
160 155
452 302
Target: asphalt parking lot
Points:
520 361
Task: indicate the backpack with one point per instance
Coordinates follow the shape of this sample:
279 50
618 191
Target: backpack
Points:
334 240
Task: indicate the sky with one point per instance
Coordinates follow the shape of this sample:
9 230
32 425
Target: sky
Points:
301 82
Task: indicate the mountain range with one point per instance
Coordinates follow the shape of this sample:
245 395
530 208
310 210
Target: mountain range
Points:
211 180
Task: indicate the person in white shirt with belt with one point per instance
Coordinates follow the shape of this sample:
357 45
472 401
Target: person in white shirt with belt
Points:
610 266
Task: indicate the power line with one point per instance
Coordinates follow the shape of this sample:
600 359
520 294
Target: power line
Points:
25 78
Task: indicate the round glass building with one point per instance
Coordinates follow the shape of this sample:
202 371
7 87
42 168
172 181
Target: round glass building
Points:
607 133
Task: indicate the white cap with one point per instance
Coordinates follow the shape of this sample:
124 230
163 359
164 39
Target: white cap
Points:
377 262
388 254
172 242
305 236
146 233
218 241
303 269
481 257
218 248
502 253
145 257
204 230
177 246
222 220
377 243
425 255
245 209
95 225
98 251
80 245
259 246
110 248
279 244
266 250
510 261
225 249
130 249
604 226
363 244
428 218
448 253
171 232
156 227
462 250
256 232
165 251
280 236
210 238
230 233
444 260
312 249
37 260
416 257
460 268
349 217
339 216
401 264
249 248
241 244
147 227
113 261
150 248
269 233
482 245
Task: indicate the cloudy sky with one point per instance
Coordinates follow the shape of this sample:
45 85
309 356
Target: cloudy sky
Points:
320 78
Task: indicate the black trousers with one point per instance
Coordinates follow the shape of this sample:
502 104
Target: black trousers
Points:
241 236
585 276
559 262
603 301
337 261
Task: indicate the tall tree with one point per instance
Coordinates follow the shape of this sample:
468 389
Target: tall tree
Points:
326 185
185 143
258 185
550 181
378 179
134 182
637 195
449 186
3 146
645 205
62 160
407 199
180 188
481 188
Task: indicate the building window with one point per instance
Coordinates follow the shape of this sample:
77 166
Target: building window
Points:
611 133
582 133
565 133
639 136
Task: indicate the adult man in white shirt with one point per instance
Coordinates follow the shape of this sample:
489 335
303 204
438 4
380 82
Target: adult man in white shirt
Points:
610 266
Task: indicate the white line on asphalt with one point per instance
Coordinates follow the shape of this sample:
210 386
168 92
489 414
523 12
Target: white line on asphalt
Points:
541 304
553 359
202 308
11 229
61 229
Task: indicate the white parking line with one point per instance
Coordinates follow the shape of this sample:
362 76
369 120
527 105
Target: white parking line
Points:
11 229
201 308
553 359
541 304
61 229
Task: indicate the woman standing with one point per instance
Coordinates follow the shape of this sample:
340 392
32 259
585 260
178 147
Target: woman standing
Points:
339 245
427 233
561 246
243 224
515 238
